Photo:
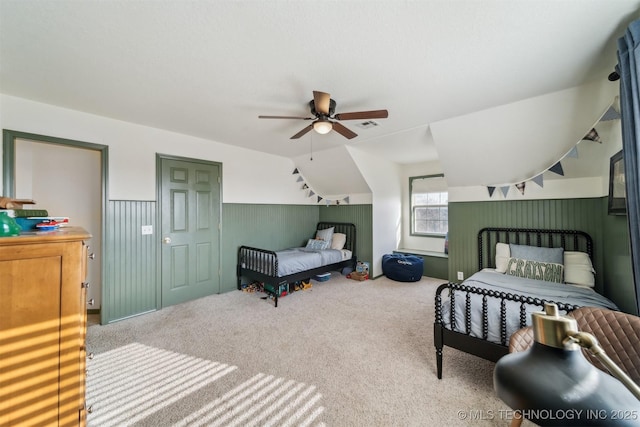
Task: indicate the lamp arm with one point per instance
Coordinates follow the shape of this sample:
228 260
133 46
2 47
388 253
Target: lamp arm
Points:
588 341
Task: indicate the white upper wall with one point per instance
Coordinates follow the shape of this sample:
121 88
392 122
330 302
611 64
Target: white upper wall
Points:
515 142
248 176
585 176
383 176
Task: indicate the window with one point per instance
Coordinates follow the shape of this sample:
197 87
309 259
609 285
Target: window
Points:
429 205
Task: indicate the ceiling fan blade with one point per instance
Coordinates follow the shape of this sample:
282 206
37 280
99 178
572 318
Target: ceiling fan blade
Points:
285 117
347 133
321 101
361 115
302 132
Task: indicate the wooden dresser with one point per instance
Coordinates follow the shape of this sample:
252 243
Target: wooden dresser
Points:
42 328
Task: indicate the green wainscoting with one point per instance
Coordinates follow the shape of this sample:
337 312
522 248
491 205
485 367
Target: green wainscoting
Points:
270 227
131 285
132 277
359 215
282 226
613 277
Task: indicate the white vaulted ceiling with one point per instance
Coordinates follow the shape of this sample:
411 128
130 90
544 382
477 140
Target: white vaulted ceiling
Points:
460 79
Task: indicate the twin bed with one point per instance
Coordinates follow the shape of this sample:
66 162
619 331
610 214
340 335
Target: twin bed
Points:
332 247
519 270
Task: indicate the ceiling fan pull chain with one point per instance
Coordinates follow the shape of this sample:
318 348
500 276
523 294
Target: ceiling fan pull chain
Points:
311 147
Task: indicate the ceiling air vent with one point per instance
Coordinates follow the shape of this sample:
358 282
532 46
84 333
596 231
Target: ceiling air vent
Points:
368 124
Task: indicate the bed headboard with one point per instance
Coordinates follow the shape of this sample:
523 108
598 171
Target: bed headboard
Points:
342 227
570 240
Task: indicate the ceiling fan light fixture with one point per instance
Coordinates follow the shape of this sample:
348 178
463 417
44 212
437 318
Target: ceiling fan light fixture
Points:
322 126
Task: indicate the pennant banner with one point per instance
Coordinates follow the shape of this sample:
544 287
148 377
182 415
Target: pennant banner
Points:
557 169
310 193
610 114
592 136
538 180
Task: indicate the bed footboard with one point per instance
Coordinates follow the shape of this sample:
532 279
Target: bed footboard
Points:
462 339
257 264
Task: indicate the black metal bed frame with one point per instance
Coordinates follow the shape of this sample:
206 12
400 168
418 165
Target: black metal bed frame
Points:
570 240
262 265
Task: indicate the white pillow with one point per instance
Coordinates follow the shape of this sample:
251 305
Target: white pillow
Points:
503 253
578 269
338 241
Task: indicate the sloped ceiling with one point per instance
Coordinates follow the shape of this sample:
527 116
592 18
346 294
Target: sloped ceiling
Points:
449 72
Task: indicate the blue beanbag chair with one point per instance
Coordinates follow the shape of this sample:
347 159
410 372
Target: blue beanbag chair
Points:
402 268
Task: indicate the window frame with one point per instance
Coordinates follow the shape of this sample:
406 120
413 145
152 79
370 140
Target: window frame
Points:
412 231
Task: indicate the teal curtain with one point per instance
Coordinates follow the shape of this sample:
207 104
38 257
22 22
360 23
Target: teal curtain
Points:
628 67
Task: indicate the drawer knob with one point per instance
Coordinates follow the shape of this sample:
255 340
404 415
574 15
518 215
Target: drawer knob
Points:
91 301
90 409
92 256
85 285
90 356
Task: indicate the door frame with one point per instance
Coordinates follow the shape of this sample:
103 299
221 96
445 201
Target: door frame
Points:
9 138
159 158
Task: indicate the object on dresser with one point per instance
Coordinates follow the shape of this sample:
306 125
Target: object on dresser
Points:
8 226
45 223
25 213
9 203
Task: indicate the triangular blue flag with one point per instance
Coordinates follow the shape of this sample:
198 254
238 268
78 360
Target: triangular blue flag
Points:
573 153
538 180
311 193
610 114
346 199
300 179
491 190
557 168
295 171
505 190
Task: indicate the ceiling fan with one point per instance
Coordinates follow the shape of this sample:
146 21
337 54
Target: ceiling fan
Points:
323 108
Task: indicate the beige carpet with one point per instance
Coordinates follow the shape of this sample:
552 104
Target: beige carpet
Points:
344 353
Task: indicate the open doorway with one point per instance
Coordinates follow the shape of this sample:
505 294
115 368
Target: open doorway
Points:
67 178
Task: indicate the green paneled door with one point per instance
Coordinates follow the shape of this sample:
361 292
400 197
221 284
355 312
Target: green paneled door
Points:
190 239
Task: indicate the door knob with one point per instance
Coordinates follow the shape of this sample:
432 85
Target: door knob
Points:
166 240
